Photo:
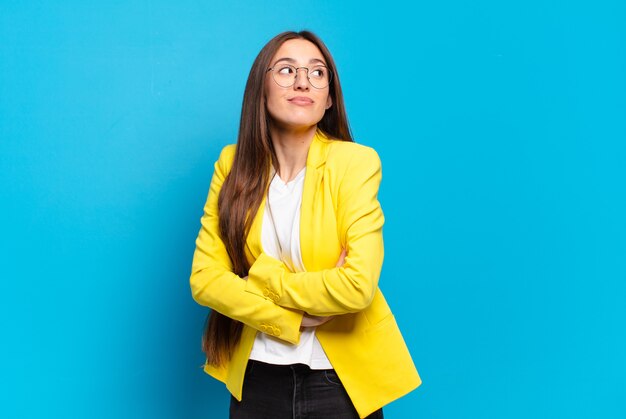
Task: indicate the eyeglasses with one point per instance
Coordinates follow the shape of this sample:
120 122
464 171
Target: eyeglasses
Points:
285 75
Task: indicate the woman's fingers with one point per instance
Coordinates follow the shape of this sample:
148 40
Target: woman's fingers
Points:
342 258
312 321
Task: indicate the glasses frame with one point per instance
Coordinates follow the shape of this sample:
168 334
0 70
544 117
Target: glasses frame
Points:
330 75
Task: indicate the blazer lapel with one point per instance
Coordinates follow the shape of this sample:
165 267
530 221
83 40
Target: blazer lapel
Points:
312 181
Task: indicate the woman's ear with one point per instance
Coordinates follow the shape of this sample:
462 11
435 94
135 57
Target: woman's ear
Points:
329 102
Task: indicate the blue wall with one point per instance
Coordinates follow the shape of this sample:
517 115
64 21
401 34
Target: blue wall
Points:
501 127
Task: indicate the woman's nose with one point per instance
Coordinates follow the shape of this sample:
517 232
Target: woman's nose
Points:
302 79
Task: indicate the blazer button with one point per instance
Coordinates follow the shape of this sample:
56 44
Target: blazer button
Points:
263 328
266 292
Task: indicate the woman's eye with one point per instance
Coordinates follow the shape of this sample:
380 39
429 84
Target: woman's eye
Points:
285 70
318 72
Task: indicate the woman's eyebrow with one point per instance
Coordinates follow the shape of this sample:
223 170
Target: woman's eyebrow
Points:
291 60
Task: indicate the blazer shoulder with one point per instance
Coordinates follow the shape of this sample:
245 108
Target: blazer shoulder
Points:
347 152
227 155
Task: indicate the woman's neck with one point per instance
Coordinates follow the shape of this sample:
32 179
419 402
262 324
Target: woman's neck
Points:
292 149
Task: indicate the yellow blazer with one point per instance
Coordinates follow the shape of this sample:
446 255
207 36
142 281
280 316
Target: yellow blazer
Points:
339 210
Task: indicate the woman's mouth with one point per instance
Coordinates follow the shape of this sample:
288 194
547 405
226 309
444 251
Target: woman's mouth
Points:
300 100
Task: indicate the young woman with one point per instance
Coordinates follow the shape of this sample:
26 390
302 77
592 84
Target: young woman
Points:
290 252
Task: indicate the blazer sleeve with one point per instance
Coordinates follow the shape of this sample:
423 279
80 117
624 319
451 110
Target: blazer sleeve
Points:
351 287
213 283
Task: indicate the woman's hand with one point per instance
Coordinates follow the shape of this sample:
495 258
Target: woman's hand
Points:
342 258
313 321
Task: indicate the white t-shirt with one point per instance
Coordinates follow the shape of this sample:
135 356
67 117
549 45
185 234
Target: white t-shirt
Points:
283 208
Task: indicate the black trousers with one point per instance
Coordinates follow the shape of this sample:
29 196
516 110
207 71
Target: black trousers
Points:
293 392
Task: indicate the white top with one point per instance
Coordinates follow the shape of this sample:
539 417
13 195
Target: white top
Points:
283 207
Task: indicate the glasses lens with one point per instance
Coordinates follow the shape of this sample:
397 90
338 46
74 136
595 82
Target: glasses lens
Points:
319 77
284 75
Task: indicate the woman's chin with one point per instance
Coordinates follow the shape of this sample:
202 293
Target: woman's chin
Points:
297 124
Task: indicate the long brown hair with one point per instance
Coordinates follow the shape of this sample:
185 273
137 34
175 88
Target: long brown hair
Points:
244 187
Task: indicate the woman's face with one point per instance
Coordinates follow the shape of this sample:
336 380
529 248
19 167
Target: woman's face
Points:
299 106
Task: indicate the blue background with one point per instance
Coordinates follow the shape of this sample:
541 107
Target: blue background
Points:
501 127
